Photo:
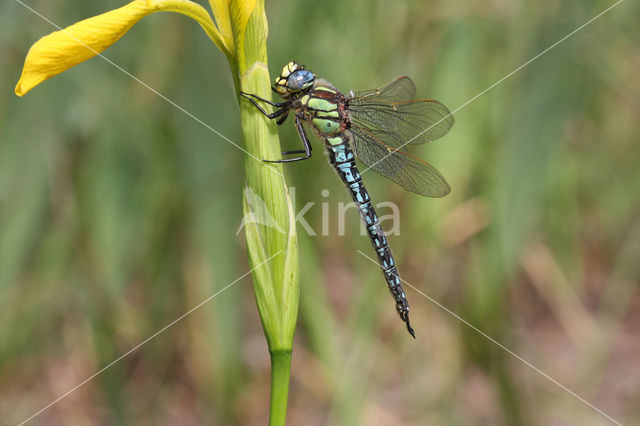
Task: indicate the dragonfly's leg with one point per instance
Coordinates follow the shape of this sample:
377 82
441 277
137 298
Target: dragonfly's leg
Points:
275 104
305 143
282 119
300 151
275 114
283 115
278 113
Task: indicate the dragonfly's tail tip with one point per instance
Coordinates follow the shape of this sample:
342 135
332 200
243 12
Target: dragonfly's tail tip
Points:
410 329
405 317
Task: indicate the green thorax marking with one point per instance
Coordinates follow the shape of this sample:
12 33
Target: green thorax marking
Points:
326 125
333 113
336 140
322 105
324 85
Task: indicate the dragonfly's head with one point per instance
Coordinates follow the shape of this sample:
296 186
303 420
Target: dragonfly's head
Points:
293 80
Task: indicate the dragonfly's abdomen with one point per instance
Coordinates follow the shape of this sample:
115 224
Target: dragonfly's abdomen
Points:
342 159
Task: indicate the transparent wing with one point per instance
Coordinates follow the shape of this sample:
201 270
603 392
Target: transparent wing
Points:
410 122
397 90
407 171
391 110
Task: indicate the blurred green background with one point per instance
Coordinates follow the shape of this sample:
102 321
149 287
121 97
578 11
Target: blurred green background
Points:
118 213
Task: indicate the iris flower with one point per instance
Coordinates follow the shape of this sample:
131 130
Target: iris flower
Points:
61 50
239 29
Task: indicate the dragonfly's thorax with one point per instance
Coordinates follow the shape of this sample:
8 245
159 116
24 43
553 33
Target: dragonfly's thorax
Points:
324 108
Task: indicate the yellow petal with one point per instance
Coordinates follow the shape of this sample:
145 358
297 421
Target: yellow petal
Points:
220 10
200 14
61 50
241 11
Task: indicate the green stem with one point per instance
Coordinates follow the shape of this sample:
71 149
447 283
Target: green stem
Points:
280 372
271 243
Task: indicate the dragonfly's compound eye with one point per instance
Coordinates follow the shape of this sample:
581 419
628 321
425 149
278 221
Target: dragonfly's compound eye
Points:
299 80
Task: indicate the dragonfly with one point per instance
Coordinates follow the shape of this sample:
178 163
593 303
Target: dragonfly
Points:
373 126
